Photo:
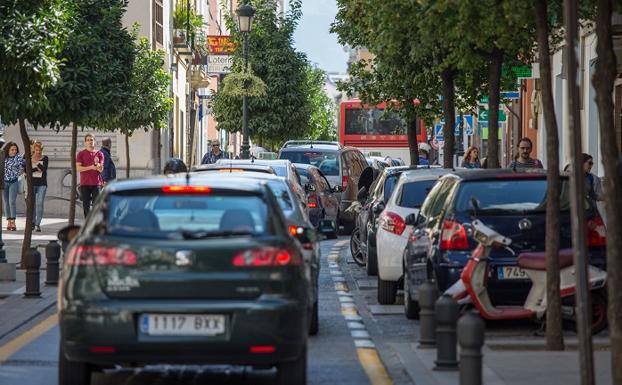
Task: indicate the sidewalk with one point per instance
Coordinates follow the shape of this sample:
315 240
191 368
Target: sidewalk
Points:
15 309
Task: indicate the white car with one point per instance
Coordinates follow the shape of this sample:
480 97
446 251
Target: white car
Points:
393 233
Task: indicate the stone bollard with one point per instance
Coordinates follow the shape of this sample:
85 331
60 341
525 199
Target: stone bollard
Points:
428 293
471 329
52 257
447 313
32 261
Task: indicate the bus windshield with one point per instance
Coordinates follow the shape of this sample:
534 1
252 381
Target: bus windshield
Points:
374 121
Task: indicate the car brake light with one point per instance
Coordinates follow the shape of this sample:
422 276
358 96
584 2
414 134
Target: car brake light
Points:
596 235
296 230
186 190
453 236
103 349
100 255
312 201
344 181
263 349
392 222
265 256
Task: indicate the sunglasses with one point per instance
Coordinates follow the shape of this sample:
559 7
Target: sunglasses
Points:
215 145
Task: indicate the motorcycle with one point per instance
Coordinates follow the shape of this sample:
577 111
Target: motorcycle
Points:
471 289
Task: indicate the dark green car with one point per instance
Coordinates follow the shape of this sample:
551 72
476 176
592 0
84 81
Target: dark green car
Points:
184 270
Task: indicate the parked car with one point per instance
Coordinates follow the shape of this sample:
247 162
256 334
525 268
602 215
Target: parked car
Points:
321 200
392 233
342 166
193 269
513 203
230 168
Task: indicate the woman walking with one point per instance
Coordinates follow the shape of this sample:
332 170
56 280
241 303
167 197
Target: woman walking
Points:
14 165
471 158
39 181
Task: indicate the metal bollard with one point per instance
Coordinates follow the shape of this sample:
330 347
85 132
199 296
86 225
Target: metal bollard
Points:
52 257
428 293
32 261
471 329
447 313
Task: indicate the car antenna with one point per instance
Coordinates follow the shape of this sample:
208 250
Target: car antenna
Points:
187 177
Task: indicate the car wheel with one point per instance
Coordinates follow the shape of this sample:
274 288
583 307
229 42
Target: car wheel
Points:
372 260
72 372
411 307
387 291
314 327
293 372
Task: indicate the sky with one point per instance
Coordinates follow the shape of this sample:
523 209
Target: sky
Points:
313 36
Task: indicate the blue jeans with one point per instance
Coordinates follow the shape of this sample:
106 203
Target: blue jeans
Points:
10 196
39 198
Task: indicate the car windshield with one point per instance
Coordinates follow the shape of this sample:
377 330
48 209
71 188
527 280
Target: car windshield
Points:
157 215
413 194
327 162
389 185
280 191
505 196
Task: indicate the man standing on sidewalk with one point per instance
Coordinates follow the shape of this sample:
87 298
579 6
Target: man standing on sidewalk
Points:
214 154
90 164
110 170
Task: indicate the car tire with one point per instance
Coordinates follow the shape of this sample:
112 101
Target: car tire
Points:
372 260
72 372
387 291
411 307
314 326
293 372
599 313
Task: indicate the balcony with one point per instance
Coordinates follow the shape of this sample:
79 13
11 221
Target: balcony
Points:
200 78
181 42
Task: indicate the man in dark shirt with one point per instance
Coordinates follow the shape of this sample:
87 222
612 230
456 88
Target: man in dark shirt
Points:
524 160
214 154
110 170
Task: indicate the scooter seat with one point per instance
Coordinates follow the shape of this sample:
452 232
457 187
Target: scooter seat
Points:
537 260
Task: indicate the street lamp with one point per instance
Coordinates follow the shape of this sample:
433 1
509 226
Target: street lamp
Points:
245 20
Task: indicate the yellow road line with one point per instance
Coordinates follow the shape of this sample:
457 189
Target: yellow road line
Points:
370 361
22 340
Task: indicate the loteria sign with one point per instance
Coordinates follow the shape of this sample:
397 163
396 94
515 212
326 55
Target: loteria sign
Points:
220 45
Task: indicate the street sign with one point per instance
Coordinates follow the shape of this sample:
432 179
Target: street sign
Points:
467 126
219 64
220 45
522 72
511 95
438 131
482 115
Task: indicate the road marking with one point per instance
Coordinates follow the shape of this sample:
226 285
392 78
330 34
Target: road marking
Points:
373 366
22 340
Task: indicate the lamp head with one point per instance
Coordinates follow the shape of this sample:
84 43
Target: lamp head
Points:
245 18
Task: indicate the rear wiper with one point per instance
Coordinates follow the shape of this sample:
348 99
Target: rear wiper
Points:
202 234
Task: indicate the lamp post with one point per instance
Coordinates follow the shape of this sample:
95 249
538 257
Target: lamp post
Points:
245 20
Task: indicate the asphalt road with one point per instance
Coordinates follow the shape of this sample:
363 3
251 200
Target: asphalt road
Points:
332 355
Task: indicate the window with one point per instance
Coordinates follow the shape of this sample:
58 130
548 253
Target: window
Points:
413 194
327 162
374 121
158 23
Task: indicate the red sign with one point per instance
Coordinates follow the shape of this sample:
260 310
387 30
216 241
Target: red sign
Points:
220 45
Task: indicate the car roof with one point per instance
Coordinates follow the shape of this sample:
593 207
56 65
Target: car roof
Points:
238 166
400 169
315 147
183 179
500 173
413 175
304 165
257 161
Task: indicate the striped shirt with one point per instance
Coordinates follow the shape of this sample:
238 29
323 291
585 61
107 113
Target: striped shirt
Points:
531 163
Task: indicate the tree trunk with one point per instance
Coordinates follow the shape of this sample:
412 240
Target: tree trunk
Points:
411 132
554 336
157 160
603 80
494 84
74 175
30 191
449 112
127 156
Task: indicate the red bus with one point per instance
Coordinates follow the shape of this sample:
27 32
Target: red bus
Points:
373 132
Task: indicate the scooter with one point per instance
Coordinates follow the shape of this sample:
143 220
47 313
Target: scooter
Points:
471 288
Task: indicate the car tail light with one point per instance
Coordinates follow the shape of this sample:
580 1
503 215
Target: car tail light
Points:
187 189
103 349
344 181
296 230
312 201
596 235
392 222
263 349
100 255
265 256
453 236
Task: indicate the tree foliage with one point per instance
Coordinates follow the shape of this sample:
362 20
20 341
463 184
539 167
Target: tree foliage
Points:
322 122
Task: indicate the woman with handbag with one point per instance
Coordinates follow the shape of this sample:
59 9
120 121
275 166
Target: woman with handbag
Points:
14 165
39 181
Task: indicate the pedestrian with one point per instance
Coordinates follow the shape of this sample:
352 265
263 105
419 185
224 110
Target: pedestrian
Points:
424 154
523 159
593 184
110 170
174 166
90 164
471 158
39 181
214 154
14 165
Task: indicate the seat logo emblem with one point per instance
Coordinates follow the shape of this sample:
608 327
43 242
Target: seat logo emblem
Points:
524 224
183 258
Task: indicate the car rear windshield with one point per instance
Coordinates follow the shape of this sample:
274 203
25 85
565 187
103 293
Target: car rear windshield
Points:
413 193
327 162
157 215
509 196
281 192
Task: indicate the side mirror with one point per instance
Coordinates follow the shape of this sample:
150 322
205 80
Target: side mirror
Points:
411 220
67 234
337 189
378 208
362 194
309 187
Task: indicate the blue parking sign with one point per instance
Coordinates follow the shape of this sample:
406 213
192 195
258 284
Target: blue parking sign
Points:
438 131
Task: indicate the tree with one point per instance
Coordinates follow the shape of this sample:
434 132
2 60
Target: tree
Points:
322 120
95 75
149 102
33 34
603 81
284 111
